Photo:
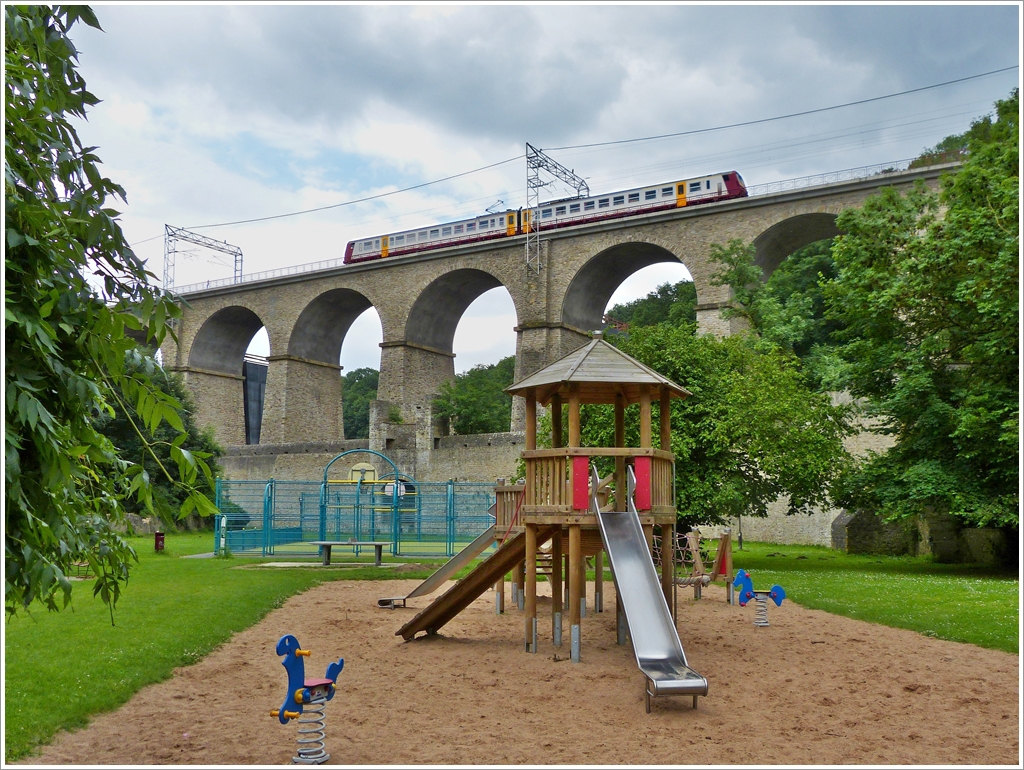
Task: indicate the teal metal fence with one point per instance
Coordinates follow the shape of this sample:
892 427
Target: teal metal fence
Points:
281 517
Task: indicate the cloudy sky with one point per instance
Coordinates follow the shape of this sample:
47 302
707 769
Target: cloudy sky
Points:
215 114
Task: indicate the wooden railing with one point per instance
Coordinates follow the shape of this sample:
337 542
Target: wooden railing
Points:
550 479
508 500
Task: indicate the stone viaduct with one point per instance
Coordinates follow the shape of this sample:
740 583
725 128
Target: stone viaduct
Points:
420 301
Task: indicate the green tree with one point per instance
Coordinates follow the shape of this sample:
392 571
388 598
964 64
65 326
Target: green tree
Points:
358 389
72 288
676 303
751 432
927 290
788 310
152 449
476 401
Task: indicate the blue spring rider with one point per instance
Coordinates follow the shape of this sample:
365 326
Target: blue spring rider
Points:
310 695
744 586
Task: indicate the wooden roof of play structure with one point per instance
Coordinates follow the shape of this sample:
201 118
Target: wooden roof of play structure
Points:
601 371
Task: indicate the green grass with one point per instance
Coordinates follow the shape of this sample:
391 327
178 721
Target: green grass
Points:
958 602
173 612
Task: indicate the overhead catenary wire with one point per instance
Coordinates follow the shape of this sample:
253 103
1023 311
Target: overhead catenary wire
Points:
782 117
594 145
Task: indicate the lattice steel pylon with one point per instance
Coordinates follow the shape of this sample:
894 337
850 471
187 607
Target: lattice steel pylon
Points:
174 234
537 161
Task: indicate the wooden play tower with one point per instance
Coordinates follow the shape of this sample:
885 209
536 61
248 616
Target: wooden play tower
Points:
554 503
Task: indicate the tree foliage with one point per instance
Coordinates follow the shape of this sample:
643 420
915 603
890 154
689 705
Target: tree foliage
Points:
73 287
675 303
927 290
476 401
358 389
152 449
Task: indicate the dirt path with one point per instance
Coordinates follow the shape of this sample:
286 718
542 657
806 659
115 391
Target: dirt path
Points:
812 688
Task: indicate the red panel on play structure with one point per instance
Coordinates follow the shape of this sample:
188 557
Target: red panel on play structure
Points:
642 496
580 481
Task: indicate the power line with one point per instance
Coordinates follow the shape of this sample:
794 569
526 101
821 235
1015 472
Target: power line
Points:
358 200
782 117
593 144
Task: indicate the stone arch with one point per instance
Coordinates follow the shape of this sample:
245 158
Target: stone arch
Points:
593 285
215 374
320 329
306 405
435 314
791 234
221 342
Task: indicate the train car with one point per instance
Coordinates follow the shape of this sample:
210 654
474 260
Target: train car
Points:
551 215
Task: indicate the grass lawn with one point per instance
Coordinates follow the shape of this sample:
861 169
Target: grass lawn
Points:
959 602
174 611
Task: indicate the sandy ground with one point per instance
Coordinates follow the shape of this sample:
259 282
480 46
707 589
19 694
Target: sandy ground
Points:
812 688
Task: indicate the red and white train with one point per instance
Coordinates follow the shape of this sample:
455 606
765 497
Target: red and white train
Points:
549 216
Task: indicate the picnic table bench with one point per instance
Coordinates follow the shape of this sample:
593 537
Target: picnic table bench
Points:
325 547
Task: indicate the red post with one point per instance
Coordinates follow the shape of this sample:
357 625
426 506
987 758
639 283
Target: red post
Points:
580 482
158 541
642 496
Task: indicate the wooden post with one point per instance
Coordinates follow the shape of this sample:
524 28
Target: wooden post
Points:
666 420
649 536
582 567
556 588
574 414
556 421
620 462
531 588
667 554
599 581
645 417
531 419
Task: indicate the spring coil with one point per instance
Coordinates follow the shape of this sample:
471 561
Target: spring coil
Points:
761 611
311 735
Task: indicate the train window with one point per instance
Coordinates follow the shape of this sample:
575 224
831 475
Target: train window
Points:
559 211
650 195
666 192
511 219
368 245
423 235
546 213
458 229
588 205
376 243
708 185
446 231
399 239
470 227
574 208
603 203
483 225
694 186
682 189
434 233
725 177
634 197
618 200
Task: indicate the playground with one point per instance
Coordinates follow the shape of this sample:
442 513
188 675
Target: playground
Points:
492 682
812 688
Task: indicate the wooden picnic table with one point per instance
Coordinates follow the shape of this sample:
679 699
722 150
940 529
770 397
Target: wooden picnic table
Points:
325 547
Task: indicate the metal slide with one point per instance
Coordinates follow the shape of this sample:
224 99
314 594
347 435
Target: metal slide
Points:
449 568
659 653
461 595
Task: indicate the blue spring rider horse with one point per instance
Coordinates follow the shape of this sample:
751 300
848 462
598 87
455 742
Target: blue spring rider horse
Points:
744 586
310 695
